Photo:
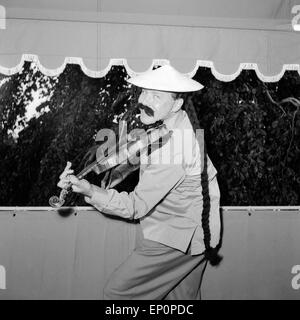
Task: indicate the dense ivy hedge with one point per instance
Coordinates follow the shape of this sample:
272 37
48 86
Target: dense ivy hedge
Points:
251 129
253 135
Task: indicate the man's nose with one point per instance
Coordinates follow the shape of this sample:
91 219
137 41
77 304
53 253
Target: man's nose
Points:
145 98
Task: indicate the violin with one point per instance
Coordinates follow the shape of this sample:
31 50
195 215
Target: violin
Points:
125 161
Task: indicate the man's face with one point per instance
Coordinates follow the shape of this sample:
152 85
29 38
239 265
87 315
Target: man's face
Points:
160 102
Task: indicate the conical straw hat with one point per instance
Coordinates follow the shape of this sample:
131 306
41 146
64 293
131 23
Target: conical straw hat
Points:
165 78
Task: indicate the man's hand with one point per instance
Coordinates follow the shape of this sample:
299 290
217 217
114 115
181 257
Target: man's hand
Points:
79 186
64 178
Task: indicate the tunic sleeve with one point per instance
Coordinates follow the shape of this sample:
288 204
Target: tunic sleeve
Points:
155 183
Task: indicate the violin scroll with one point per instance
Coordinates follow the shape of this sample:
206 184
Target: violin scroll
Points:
57 202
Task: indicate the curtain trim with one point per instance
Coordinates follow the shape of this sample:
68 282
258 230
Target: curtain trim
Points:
155 62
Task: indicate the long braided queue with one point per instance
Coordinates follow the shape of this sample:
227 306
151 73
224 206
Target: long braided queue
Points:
211 254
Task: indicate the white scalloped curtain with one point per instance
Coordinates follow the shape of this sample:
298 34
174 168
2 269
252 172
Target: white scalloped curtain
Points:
225 35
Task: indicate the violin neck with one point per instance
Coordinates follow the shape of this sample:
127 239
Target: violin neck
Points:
101 167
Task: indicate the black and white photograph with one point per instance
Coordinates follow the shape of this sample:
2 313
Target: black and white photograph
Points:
150 150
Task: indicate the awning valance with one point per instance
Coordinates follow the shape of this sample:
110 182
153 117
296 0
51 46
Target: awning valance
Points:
225 35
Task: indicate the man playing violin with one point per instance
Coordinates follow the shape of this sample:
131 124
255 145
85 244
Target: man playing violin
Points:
176 201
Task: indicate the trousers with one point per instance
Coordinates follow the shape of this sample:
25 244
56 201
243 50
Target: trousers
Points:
157 272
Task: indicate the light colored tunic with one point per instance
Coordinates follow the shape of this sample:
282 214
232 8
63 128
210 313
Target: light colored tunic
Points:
168 197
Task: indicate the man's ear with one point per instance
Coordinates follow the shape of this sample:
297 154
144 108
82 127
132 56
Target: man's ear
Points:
177 104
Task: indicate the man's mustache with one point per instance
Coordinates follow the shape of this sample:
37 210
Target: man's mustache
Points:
149 112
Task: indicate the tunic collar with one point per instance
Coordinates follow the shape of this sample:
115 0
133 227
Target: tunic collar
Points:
175 121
